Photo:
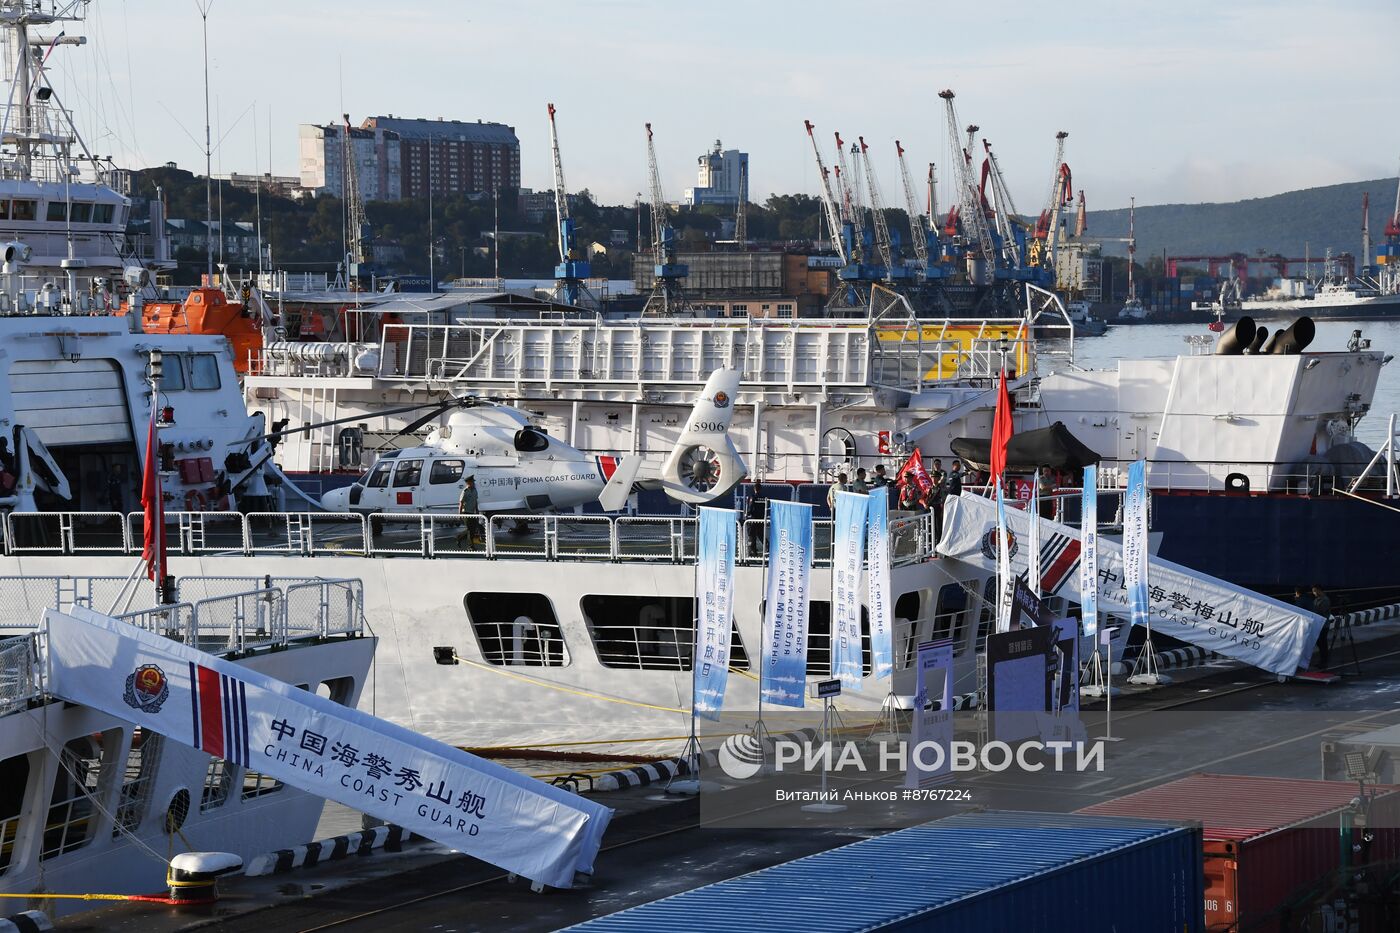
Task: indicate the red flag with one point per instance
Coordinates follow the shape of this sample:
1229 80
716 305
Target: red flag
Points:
913 471
153 545
1002 430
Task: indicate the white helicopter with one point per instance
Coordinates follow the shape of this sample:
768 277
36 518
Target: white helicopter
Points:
520 468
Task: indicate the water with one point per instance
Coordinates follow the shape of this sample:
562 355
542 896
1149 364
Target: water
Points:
1159 340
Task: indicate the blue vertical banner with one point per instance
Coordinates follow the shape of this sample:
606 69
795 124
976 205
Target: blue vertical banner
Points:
847 546
1004 580
881 607
1089 551
786 603
1033 537
1135 542
714 597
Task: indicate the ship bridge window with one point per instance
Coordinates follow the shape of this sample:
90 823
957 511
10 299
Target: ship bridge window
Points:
409 473
14 782
516 629
653 633
56 211
102 213
22 210
379 476
819 639
445 471
172 373
81 212
204 371
81 778
531 440
4 208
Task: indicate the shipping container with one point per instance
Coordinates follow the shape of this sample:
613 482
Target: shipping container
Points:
1272 845
987 870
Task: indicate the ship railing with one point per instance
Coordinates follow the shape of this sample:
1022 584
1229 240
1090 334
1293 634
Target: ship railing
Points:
66 532
308 534
19 672
324 608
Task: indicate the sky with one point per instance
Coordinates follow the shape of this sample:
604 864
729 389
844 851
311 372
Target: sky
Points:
1184 101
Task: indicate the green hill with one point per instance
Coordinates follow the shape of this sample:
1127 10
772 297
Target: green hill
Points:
1312 219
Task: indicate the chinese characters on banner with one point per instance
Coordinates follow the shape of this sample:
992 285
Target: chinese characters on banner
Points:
877 549
714 594
1089 551
1135 543
464 802
847 540
784 671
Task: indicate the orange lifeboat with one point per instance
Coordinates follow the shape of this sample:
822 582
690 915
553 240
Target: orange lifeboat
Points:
206 311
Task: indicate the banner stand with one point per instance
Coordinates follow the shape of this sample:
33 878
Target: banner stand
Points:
1145 671
889 721
828 691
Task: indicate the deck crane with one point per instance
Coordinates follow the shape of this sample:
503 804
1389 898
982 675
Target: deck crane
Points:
834 219
968 211
741 225
886 245
572 271
667 296
357 231
918 221
1132 305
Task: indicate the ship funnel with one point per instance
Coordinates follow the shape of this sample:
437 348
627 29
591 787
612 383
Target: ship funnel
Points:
1294 340
1257 343
1234 341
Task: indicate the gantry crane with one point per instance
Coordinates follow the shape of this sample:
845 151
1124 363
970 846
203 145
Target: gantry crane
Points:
667 295
571 274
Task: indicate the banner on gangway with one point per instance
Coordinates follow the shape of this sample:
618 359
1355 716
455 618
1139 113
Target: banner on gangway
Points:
247 718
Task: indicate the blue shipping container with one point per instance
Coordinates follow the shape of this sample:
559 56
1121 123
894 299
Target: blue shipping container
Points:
974 872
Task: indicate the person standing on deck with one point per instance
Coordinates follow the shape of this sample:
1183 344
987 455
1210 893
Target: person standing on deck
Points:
860 485
469 505
880 480
842 484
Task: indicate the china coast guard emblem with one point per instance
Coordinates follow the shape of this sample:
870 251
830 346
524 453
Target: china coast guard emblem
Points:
721 399
146 689
989 544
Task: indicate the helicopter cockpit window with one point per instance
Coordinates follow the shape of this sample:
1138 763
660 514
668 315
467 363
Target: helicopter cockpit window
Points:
531 440
445 471
379 476
408 473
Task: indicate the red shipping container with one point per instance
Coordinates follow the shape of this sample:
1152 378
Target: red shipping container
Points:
1269 842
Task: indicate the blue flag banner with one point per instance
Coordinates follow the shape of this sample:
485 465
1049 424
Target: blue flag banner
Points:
1135 542
786 603
1004 579
847 545
1089 551
714 595
1033 536
877 551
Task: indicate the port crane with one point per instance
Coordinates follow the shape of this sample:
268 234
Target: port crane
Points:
1046 239
919 233
741 225
571 274
667 294
834 219
886 244
968 215
357 230
1011 230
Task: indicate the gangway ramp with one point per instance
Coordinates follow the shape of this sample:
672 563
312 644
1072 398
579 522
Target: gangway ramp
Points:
1186 604
291 735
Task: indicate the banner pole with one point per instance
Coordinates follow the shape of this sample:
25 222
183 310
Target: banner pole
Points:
758 730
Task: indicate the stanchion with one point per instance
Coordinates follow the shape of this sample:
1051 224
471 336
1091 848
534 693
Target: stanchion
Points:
827 691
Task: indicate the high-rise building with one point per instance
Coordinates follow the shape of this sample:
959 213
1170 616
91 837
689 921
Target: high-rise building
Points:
377 156
719 177
454 156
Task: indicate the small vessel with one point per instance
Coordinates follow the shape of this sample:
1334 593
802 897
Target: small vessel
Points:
1133 310
1085 324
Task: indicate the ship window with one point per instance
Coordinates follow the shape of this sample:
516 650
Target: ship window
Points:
14 780
379 476
257 784
5 209
204 371
102 213
819 639
22 210
516 629
72 814
218 783
56 211
81 212
653 633
172 373
445 471
906 630
408 473
138 782
950 618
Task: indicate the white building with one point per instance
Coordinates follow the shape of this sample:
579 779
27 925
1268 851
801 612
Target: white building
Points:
378 161
719 177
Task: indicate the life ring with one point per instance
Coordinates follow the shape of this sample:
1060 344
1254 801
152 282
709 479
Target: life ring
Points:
196 501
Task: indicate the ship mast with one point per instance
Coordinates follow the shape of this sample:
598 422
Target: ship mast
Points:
204 6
